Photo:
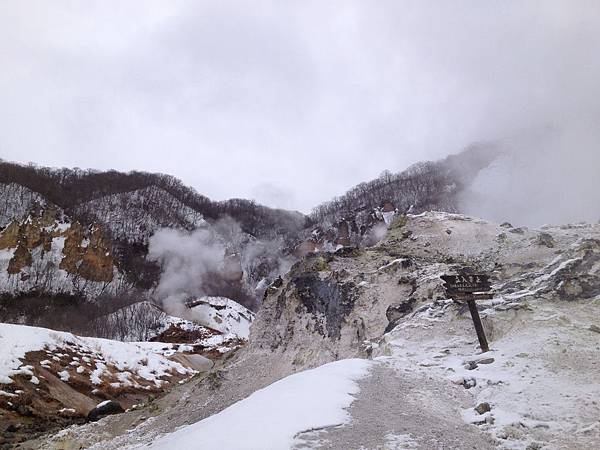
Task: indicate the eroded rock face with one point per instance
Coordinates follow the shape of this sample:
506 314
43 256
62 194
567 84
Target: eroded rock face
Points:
72 251
21 258
330 298
339 304
84 253
328 306
97 262
9 237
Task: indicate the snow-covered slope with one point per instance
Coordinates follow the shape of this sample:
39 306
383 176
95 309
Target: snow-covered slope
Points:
134 216
135 361
220 327
272 417
222 314
16 202
50 379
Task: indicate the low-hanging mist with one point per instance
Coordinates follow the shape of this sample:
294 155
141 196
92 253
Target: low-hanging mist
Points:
549 176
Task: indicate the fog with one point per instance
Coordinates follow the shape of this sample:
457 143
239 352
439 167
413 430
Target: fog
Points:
548 177
291 103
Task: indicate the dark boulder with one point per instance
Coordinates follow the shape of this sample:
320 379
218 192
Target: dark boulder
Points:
482 408
104 409
396 312
545 240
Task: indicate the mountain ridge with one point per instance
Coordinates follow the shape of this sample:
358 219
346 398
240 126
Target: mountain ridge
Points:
112 217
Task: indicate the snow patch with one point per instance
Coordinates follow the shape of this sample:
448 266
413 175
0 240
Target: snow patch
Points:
271 417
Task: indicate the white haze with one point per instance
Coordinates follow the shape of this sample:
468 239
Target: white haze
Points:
292 103
185 259
546 177
191 261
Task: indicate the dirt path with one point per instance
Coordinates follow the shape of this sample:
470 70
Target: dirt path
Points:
396 410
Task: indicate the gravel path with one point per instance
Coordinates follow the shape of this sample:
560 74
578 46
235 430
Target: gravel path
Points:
396 410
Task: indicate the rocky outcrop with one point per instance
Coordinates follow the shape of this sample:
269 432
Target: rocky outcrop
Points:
47 253
329 306
576 274
86 253
338 304
89 257
364 227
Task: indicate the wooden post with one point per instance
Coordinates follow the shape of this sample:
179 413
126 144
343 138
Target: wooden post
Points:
478 325
470 287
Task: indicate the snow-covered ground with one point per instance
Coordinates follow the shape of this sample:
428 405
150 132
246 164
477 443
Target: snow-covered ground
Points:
271 418
223 314
145 360
541 378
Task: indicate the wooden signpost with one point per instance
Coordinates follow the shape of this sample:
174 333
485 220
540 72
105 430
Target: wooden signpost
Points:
470 287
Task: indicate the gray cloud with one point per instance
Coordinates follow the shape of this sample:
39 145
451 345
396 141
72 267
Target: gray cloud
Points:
311 97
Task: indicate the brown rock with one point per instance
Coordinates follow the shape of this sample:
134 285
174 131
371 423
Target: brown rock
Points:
9 237
72 251
97 261
482 408
21 258
92 261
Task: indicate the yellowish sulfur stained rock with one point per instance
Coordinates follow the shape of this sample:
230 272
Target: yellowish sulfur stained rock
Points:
85 253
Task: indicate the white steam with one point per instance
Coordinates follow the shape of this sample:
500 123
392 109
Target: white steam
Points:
220 260
185 258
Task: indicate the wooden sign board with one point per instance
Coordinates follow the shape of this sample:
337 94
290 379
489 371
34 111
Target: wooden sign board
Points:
472 296
470 287
467 283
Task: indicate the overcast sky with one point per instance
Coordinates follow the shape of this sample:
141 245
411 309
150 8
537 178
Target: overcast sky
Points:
286 102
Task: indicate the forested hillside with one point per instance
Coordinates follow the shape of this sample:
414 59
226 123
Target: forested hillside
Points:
86 235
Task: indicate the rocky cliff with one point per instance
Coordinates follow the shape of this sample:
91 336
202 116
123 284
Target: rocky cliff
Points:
46 252
335 305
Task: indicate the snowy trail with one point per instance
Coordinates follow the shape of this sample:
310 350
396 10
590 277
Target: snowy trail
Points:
270 418
401 410
541 380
